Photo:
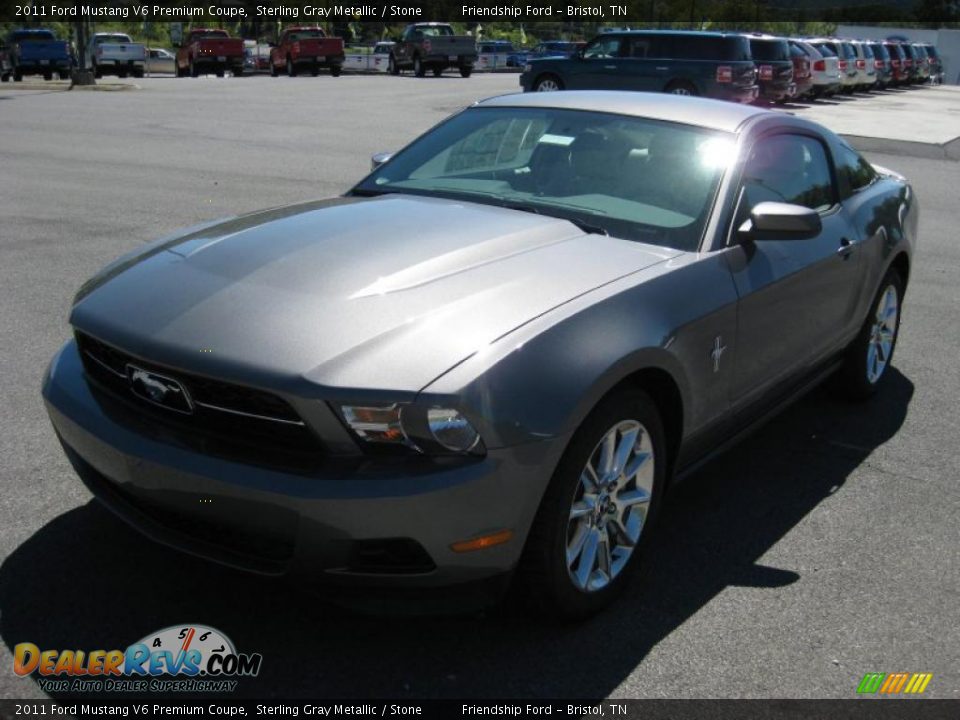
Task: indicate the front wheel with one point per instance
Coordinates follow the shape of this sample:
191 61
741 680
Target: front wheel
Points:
868 357
392 66
273 70
48 75
291 68
548 83
194 71
598 510
418 68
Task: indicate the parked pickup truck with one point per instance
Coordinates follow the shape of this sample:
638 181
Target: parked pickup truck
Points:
38 52
307 49
116 54
433 46
206 51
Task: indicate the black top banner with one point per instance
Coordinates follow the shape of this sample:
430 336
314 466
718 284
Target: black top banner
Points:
693 13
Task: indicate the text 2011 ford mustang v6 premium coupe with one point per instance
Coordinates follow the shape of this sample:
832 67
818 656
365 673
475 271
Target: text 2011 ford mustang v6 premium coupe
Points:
490 357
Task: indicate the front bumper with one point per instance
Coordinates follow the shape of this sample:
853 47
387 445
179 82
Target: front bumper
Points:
362 523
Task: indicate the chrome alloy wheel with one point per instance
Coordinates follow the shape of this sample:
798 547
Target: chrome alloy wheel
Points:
609 506
883 333
548 85
680 90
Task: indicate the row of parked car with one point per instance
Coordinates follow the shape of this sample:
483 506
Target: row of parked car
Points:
735 66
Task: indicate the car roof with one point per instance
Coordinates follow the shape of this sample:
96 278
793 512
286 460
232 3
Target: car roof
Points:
712 114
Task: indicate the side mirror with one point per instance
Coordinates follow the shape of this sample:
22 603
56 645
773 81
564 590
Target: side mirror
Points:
379 159
781 221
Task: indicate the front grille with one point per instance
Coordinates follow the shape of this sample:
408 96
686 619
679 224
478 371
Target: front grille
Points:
231 421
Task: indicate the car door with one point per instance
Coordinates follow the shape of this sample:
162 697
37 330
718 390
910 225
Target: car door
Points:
636 70
796 296
597 67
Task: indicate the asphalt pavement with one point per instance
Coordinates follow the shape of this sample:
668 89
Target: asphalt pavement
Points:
824 547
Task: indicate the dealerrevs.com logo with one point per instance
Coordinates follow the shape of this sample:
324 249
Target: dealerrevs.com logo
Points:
180 658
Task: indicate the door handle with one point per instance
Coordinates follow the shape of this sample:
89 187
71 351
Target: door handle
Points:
609 67
846 247
661 69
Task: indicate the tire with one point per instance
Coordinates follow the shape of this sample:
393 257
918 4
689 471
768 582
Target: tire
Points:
17 76
314 71
62 74
5 77
547 83
418 68
194 71
438 71
97 72
291 68
465 71
336 70
238 72
392 66
681 87
137 73
549 580
868 358
220 72
273 70
48 75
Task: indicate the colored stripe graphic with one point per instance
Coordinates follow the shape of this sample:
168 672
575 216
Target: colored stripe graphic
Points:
894 683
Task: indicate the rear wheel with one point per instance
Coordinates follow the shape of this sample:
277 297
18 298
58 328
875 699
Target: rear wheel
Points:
681 87
194 70
62 74
868 358
121 73
548 83
291 68
273 70
418 68
5 77
336 70
219 72
437 71
314 71
238 72
137 72
392 66
97 72
597 512
17 76
465 71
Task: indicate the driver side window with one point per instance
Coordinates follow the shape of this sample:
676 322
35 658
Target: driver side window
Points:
789 169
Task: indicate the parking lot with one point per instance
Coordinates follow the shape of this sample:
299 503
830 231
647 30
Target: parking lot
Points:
824 547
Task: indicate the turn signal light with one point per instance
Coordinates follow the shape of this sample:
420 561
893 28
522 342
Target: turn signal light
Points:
482 542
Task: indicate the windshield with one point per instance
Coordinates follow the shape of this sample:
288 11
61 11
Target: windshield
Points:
305 35
769 50
628 177
435 30
112 39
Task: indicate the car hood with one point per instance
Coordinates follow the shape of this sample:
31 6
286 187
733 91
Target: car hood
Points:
380 293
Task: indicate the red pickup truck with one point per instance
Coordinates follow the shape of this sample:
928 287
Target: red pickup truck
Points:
206 51
307 49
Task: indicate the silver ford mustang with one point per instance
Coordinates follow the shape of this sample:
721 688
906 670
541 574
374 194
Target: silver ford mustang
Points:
492 357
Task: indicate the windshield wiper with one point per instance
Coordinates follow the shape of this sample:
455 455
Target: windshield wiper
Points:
584 225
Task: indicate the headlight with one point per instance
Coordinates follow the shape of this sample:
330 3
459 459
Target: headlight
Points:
425 430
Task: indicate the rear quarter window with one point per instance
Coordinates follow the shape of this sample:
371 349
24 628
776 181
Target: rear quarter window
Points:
693 46
853 171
